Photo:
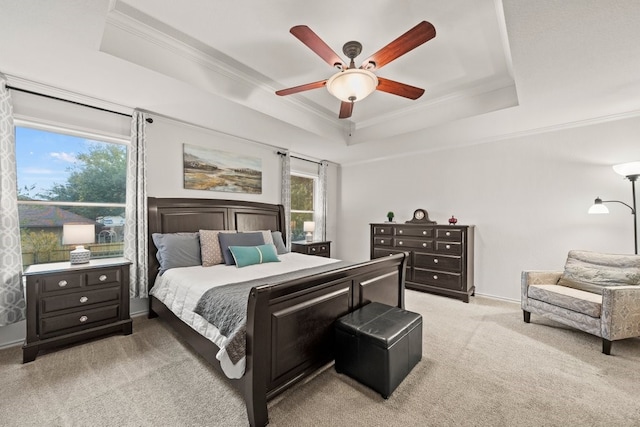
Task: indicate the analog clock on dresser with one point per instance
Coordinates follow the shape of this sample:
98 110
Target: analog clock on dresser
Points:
70 303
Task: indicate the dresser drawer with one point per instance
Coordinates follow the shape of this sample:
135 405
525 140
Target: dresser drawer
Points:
383 241
438 278
452 248
60 324
414 231
79 299
60 282
321 250
438 262
413 243
449 234
382 230
103 276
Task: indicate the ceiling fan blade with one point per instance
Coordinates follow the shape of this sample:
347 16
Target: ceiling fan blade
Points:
346 108
301 88
316 44
400 89
421 33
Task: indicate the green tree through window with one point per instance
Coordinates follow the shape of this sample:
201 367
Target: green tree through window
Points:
302 203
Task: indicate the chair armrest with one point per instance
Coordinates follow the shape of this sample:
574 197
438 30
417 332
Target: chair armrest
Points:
620 312
536 277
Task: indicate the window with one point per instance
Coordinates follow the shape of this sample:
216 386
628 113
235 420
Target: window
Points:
67 176
303 193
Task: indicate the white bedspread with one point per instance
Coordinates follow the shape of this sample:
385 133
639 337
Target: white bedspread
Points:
181 288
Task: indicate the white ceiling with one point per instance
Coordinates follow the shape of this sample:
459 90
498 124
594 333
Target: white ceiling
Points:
495 68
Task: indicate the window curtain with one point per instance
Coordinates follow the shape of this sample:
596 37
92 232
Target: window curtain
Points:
12 304
320 214
285 197
135 229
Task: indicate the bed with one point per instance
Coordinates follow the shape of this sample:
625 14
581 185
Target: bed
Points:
289 324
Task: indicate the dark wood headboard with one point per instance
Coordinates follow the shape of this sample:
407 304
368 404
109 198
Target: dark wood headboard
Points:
190 215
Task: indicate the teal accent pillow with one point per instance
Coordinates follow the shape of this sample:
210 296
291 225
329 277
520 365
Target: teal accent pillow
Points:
251 255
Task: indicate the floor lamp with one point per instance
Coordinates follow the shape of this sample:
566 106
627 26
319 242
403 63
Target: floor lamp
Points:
631 171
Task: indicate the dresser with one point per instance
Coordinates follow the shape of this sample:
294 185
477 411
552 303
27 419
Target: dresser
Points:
441 256
70 303
312 248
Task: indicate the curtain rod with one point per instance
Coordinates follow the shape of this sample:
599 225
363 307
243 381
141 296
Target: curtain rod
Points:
149 120
299 158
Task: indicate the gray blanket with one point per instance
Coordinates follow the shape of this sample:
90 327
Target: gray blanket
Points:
225 306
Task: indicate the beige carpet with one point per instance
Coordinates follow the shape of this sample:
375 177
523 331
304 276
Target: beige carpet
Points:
482 366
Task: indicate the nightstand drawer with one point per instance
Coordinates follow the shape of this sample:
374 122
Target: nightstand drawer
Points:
60 282
59 324
79 299
318 250
103 276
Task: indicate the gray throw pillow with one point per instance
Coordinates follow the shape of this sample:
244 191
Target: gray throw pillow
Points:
239 239
277 240
177 250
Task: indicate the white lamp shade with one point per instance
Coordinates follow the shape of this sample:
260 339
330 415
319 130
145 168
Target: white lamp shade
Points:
78 234
627 169
598 208
309 226
353 84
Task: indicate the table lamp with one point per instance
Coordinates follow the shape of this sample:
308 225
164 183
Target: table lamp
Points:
309 227
78 234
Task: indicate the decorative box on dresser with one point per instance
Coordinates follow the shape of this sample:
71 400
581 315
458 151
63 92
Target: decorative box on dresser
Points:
312 248
441 256
70 303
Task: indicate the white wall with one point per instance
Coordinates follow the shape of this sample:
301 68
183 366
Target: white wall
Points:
527 196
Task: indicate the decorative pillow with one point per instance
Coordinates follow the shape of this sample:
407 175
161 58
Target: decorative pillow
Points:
592 271
266 234
210 247
177 250
250 255
239 239
277 240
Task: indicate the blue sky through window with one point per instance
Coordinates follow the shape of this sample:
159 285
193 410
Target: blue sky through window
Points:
43 158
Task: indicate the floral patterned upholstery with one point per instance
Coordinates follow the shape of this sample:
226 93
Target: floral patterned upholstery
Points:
596 293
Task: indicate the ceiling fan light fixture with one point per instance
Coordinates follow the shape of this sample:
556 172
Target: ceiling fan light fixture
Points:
352 85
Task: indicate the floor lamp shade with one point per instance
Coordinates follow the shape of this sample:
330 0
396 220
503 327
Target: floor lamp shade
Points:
78 234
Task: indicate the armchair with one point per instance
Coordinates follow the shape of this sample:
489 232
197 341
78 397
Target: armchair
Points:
596 293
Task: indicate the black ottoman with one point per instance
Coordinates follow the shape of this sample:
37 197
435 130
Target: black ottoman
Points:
378 345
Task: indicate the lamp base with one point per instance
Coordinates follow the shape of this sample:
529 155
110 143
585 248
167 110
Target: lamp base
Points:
80 255
308 237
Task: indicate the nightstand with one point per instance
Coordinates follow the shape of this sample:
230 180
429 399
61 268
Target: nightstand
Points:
70 303
312 248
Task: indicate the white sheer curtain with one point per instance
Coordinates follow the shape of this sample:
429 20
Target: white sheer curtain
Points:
320 213
285 198
135 230
12 304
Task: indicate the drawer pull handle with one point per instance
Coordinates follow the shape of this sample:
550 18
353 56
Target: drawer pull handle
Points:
382 230
400 242
400 232
382 241
313 249
424 245
435 276
448 233
84 299
83 319
102 278
448 246
424 232
435 261
62 283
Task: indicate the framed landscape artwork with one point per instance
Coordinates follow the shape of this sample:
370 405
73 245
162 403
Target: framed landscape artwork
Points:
215 170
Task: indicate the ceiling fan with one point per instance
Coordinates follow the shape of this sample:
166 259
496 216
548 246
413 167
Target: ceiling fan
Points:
352 84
